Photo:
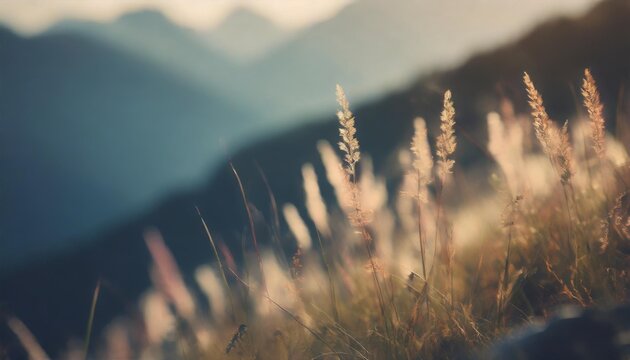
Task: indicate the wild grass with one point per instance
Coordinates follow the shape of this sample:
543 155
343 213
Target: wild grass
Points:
408 274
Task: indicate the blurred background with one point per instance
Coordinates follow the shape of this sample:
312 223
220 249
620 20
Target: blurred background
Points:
118 116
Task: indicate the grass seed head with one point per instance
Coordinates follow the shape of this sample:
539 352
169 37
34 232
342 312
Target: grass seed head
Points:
595 113
446 142
422 158
542 126
347 131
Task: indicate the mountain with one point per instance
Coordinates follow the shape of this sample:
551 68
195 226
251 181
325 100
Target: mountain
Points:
372 47
149 35
90 135
246 36
53 297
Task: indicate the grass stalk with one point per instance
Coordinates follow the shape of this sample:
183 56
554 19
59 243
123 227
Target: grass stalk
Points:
90 324
287 312
331 284
252 228
219 263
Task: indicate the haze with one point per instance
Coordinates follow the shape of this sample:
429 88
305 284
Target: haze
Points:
29 16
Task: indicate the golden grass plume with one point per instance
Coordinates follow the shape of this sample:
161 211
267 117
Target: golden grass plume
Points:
595 113
446 142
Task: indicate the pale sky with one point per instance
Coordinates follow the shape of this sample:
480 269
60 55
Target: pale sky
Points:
30 16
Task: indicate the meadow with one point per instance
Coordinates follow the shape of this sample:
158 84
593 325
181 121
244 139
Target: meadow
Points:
447 264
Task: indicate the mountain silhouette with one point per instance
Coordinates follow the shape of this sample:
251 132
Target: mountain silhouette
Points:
53 296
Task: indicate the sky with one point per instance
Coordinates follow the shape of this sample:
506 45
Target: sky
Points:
31 16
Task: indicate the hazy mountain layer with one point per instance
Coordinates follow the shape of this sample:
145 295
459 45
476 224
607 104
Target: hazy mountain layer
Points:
149 35
246 36
90 135
371 47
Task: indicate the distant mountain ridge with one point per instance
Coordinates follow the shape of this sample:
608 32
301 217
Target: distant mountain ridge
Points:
371 47
246 36
555 54
149 35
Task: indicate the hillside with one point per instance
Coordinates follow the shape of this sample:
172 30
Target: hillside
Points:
554 53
